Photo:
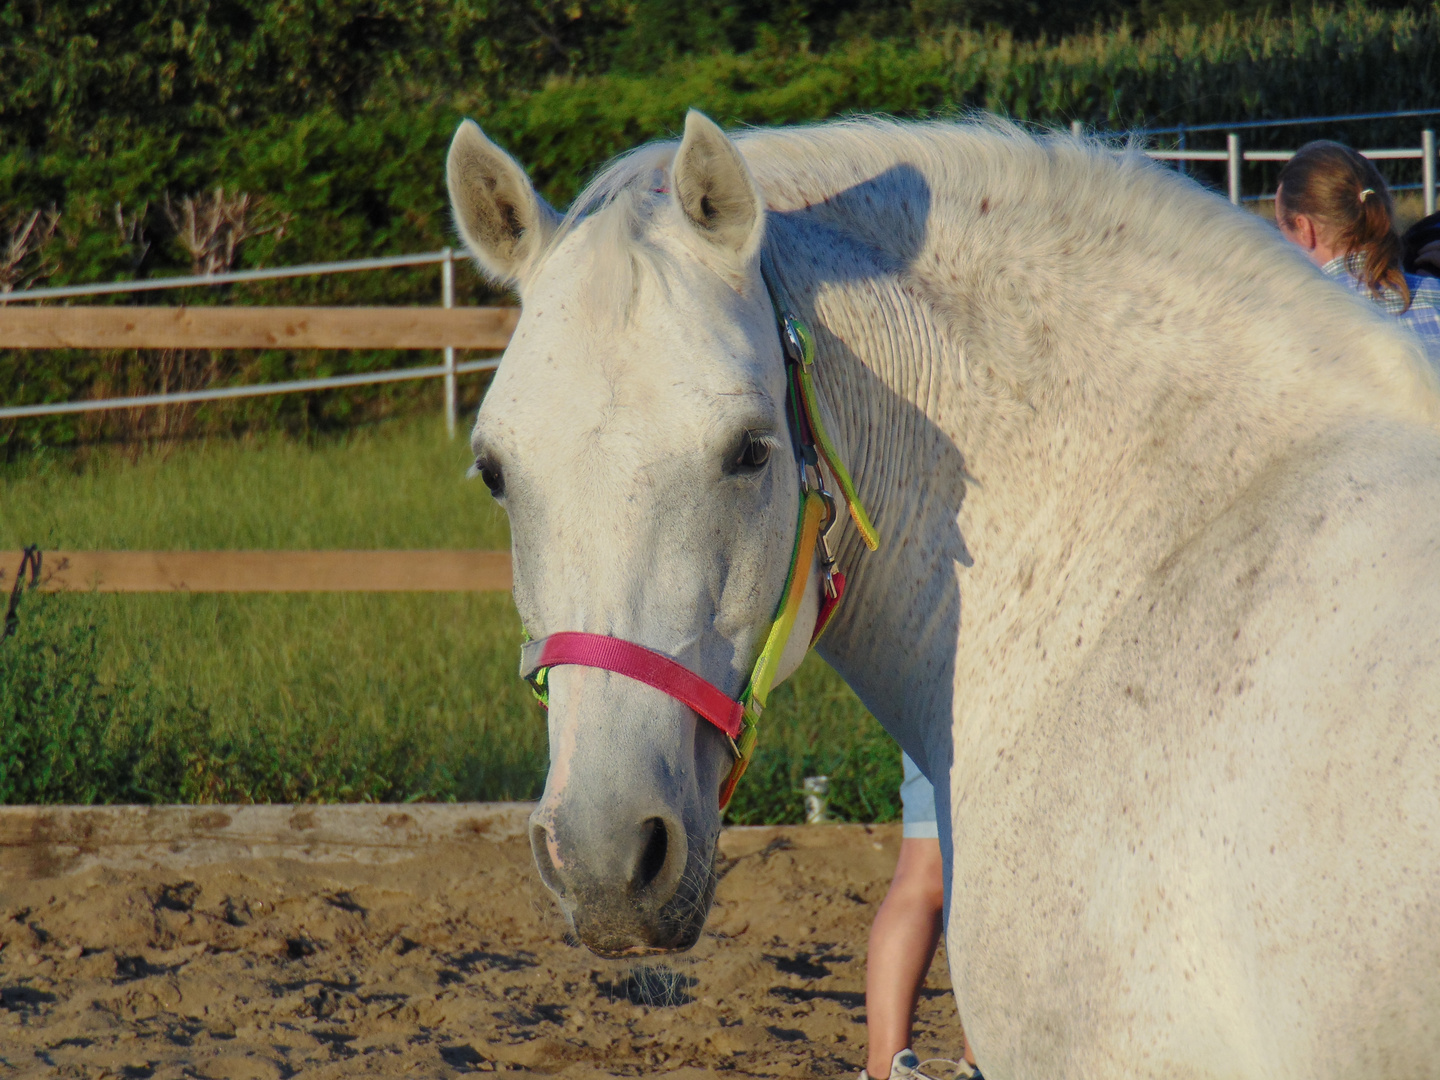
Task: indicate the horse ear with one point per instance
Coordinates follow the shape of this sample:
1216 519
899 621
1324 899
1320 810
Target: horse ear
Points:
715 189
501 218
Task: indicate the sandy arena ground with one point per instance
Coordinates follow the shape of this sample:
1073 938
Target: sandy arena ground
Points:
236 943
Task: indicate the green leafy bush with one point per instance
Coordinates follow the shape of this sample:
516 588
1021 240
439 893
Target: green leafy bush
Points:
66 734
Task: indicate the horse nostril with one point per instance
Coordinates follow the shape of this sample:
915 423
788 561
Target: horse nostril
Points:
542 843
652 857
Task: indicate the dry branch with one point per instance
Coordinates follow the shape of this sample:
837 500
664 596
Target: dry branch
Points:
24 261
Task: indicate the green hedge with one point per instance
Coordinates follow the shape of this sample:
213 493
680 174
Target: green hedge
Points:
1348 60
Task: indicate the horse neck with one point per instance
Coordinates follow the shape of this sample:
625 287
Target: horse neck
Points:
1011 513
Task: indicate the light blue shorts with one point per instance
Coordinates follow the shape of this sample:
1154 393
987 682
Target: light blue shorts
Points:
917 798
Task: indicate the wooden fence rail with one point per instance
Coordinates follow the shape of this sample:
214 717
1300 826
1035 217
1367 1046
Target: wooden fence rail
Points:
255 327
266 571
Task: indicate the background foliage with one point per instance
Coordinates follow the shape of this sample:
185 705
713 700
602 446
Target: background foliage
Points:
335 117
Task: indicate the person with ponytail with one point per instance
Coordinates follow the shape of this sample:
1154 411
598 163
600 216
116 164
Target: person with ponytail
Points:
1334 204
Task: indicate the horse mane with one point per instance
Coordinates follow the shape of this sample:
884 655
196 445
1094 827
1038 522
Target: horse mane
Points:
1084 207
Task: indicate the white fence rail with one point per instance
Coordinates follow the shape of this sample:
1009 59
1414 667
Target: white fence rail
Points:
448 370
229 393
231 277
1234 155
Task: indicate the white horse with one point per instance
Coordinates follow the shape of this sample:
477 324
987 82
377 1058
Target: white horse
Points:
1157 601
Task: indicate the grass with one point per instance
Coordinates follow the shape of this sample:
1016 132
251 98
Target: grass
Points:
331 697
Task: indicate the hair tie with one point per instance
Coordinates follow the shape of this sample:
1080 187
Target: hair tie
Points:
1367 191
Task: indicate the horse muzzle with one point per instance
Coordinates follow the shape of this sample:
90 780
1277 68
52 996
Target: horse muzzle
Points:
630 880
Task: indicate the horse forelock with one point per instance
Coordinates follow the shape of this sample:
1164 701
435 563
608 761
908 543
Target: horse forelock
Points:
614 211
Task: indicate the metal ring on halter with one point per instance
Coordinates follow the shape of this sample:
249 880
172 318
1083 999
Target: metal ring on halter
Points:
793 345
831 516
811 461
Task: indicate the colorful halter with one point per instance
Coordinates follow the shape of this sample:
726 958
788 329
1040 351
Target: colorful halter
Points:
739 718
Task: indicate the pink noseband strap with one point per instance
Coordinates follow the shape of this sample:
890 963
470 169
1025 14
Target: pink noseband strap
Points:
638 663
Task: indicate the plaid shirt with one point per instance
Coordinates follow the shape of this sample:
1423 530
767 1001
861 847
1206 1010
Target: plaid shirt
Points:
1422 316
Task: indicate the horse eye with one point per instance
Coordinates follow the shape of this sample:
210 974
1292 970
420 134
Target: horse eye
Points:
490 475
754 453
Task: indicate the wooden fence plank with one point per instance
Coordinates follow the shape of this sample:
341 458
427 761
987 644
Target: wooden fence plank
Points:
267 571
255 327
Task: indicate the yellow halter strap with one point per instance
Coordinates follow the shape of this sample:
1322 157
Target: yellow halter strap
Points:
816 517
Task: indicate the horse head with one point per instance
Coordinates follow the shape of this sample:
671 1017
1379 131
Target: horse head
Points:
636 434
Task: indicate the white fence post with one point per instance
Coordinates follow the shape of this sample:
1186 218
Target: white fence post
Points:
1076 129
1233 159
447 299
1427 168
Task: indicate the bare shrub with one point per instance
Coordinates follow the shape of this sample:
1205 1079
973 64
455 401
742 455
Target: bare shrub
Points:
25 259
211 228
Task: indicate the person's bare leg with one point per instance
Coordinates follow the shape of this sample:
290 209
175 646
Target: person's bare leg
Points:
902 944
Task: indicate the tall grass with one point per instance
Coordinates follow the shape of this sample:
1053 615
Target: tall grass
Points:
341 696
397 485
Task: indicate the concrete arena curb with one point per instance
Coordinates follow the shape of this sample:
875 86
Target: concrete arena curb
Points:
48 842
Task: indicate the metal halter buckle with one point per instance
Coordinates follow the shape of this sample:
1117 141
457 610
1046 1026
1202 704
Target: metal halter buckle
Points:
812 473
810 466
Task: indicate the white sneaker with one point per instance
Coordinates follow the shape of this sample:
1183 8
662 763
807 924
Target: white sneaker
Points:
906 1066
